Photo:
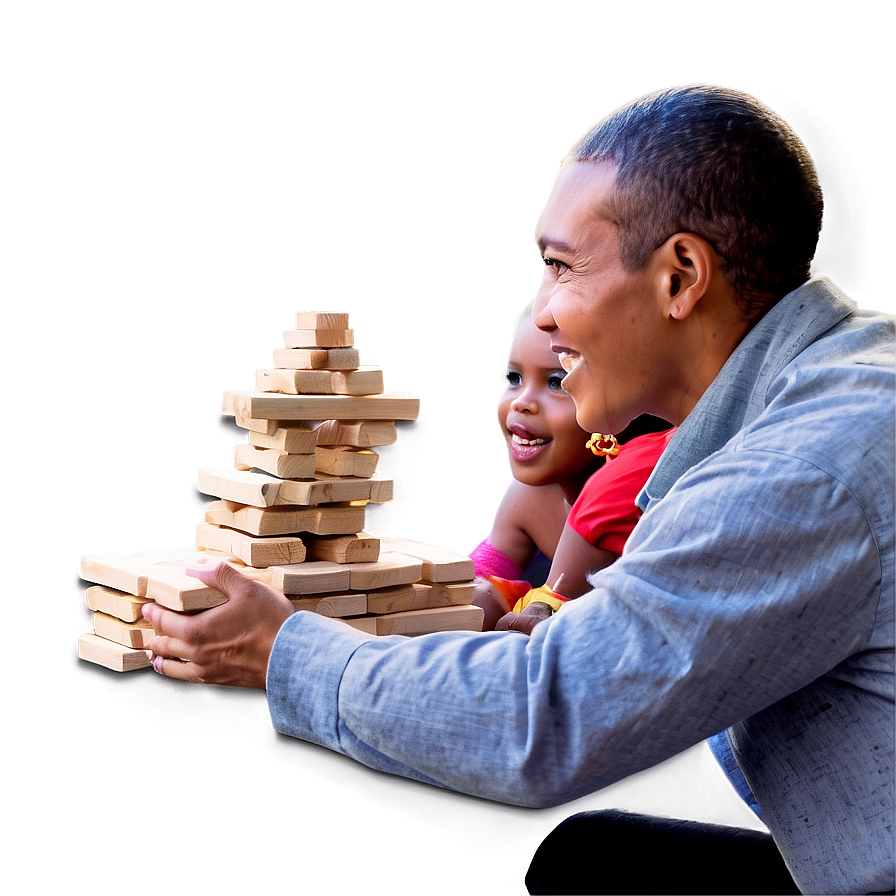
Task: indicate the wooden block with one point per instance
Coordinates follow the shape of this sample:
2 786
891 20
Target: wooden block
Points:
363 381
291 439
181 558
264 490
366 624
317 358
355 548
390 569
254 551
277 463
319 338
366 380
422 622
439 565
419 596
333 605
295 382
115 603
396 599
321 320
267 427
118 571
357 433
243 487
94 649
377 489
316 577
174 589
329 519
341 460
130 634
274 406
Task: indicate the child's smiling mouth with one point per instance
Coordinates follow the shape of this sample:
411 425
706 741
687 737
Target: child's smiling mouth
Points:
524 445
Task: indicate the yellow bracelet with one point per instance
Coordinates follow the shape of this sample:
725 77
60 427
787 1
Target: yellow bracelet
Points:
542 595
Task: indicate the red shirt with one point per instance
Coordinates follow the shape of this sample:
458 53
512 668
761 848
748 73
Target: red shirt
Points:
605 513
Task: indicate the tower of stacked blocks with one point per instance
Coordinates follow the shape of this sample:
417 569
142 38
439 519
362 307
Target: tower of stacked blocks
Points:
291 511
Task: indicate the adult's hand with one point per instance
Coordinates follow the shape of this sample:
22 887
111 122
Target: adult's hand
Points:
524 621
229 644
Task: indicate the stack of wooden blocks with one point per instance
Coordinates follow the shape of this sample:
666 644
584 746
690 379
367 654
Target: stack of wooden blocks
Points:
291 511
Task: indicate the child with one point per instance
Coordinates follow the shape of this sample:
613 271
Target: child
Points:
555 466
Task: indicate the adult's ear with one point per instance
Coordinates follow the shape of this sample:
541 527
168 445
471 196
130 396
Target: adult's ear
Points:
686 264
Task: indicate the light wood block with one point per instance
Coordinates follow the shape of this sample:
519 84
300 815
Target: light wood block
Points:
176 590
266 427
341 460
317 358
322 320
117 657
319 338
130 634
118 571
311 577
294 382
356 548
292 439
357 433
277 463
424 622
115 603
181 558
366 624
327 519
333 605
366 380
419 596
274 406
388 570
252 550
264 490
439 565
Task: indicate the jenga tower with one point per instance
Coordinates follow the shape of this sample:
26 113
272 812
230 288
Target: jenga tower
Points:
291 511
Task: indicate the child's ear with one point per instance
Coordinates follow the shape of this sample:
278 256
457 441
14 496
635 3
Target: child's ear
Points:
686 263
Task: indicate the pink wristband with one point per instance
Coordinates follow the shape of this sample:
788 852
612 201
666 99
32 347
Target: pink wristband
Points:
489 561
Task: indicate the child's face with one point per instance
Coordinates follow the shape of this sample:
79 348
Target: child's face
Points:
538 418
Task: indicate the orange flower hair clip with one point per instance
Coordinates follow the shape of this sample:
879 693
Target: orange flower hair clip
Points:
603 445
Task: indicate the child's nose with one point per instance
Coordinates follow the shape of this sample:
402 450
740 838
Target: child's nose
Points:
525 402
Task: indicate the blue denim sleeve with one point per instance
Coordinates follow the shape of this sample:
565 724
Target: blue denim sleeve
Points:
657 657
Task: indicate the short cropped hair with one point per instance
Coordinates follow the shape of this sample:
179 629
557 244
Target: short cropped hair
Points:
717 163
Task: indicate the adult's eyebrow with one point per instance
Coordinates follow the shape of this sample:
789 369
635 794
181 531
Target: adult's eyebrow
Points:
545 243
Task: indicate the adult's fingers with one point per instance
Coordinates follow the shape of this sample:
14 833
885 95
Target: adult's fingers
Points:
174 648
167 622
174 668
221 576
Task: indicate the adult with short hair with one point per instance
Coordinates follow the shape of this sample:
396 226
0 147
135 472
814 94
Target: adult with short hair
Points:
755 595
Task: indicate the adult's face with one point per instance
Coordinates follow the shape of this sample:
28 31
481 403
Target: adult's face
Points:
608 325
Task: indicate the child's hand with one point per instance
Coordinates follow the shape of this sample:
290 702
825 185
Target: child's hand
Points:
524 621
492 602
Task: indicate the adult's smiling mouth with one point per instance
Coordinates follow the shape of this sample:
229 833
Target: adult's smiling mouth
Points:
568 358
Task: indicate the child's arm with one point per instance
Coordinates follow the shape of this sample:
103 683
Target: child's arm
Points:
574 559
529 519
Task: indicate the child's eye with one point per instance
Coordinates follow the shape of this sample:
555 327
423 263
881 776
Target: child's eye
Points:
514 378
555 380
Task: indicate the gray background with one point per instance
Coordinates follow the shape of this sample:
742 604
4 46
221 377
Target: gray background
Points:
177 180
